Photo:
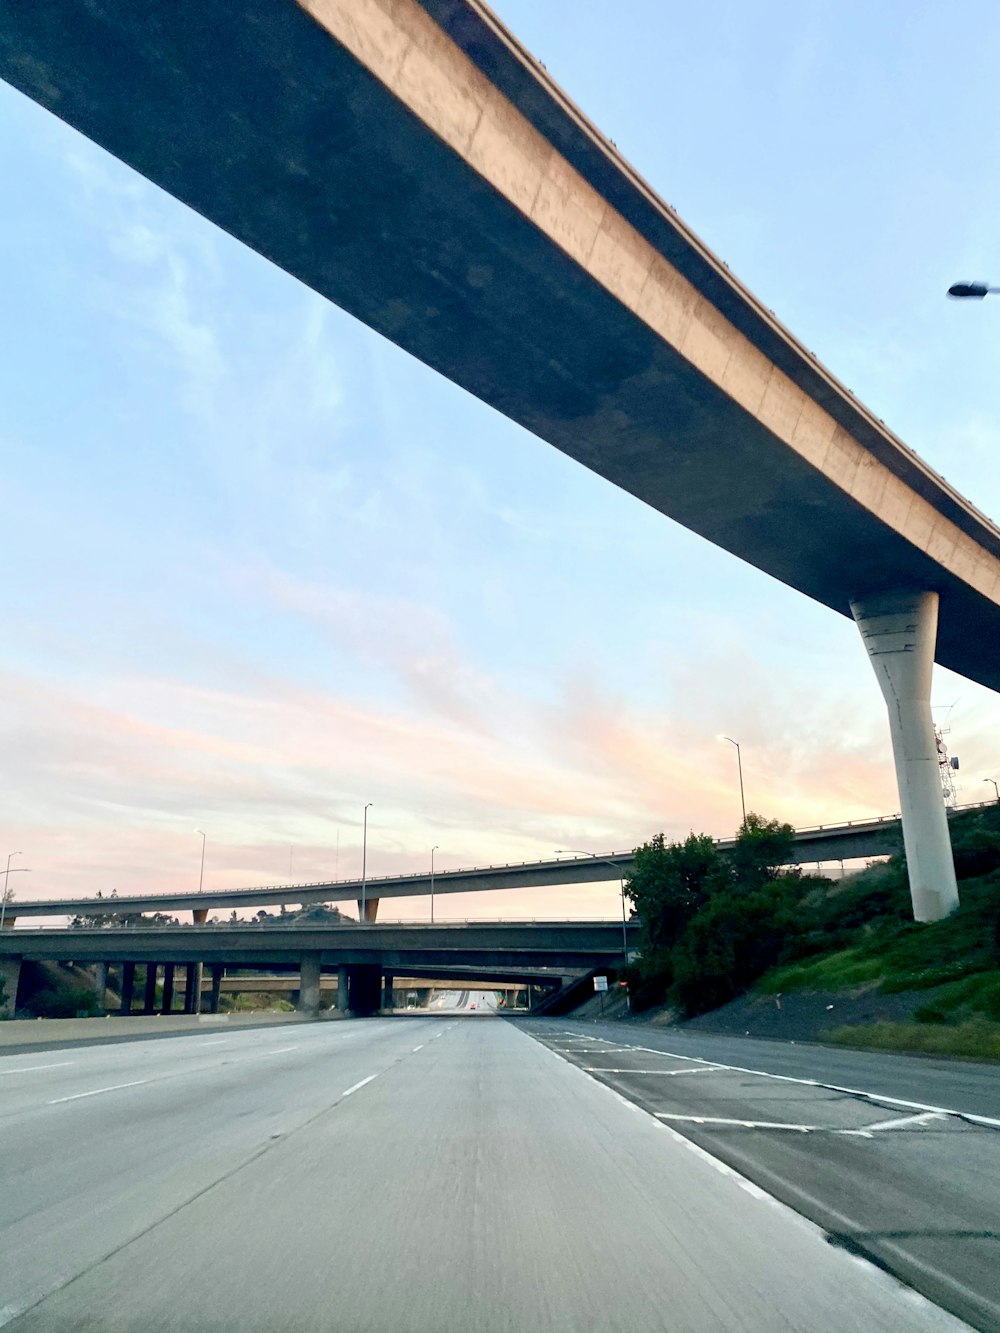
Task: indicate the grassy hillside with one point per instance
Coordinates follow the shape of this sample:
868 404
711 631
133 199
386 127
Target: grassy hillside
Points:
862 936
712 932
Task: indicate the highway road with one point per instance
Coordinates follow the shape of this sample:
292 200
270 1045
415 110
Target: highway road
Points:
440 1173
896 1157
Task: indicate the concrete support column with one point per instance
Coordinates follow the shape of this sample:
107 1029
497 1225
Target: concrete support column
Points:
10 976
192 988
899 630
388 982
149 999
213 1004
342 990
128 987
199 915
100 983
369 911
364 988
309 974
168 988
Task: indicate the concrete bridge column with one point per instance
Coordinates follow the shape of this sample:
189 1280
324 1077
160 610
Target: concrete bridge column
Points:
388 982
368 911
100 983
213 1003
364 988
168 988
199 915
192 988
342 989
309 974
10 976
899 630
128 987
149 999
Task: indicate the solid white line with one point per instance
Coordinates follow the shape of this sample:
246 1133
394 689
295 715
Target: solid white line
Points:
847 1223
667 1073
722 1120
356 1086
829 1087
30 1069
900 1121
95 1092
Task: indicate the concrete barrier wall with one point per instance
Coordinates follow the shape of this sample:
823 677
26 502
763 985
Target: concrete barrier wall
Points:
36 1031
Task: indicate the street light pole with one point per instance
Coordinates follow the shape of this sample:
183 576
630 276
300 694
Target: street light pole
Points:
995 787
433 850
575 851
364 866
739 764
201 872
6 877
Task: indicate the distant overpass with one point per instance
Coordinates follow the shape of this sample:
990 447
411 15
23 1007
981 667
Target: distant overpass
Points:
410 161
837 842
365 957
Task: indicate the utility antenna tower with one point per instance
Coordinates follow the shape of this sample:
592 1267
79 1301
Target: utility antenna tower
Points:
947 768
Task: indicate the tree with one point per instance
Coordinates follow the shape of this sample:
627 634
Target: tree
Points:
762 847
669 882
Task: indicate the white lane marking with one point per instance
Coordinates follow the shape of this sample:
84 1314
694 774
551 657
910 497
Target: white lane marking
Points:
667 1073
30 1069
829 1087
417 1048
356 1086
96 1092
902 1120
800 1219
281 1050
724 1120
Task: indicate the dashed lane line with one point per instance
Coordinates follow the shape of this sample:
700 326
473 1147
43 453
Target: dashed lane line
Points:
96 1092
31 1069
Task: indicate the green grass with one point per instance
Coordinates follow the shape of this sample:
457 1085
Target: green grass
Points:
976 1038
846 967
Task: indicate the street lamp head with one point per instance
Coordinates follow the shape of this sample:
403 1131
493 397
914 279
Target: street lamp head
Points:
964 291
198 830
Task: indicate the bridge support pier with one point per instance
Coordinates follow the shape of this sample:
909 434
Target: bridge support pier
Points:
149 998
309 974
100 984
342 988
899 630
128 987
388 982
364 988
192 988
213 1003
10 977
368 910
168 988
199 915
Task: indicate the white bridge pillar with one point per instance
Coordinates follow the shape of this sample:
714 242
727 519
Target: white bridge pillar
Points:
899 630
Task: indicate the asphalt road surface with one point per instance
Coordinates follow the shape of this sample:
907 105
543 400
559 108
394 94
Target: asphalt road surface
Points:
897 1158
432 1174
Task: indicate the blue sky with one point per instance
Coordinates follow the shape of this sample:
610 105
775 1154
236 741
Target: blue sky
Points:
261 567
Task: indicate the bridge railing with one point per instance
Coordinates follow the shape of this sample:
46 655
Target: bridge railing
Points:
372 883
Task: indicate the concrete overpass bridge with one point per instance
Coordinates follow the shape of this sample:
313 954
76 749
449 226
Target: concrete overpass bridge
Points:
365 958
836 842
411 162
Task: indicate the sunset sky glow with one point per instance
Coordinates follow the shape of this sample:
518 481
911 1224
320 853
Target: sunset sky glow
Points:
260 567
